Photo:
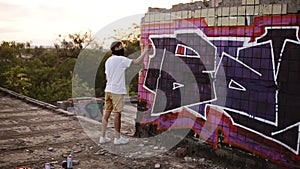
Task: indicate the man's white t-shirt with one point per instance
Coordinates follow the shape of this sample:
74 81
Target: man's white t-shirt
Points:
115 67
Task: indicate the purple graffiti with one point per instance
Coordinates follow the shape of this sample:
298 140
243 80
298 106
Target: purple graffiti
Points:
178 75
261 80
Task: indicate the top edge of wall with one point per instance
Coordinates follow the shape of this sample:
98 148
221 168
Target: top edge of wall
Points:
293 6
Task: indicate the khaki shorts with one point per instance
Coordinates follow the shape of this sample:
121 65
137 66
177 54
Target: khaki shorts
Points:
114 102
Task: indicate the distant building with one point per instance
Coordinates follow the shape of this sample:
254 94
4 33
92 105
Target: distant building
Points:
27 56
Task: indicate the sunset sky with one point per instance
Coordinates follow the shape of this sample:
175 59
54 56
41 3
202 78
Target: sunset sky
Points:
41 21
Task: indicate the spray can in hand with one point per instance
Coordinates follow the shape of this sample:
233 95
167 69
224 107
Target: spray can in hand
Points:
69 162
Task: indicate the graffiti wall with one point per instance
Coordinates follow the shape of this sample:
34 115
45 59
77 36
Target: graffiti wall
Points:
234 69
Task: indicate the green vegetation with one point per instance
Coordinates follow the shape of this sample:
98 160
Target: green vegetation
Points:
50 75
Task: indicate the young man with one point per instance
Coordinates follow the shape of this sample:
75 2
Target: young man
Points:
115 90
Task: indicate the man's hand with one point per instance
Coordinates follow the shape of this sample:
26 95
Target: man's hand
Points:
140 59
147 48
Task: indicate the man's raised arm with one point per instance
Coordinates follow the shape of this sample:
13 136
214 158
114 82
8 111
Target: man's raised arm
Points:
140 59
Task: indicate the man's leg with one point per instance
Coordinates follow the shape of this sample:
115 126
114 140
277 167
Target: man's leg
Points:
117 123
118 138
105 122
118 102
108 108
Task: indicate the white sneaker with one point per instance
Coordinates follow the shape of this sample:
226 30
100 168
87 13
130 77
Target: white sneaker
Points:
121 140
104 140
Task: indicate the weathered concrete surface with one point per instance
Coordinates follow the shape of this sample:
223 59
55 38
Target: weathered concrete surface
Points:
33 134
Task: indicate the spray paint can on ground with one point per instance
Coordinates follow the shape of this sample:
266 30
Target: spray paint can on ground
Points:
69 162
47 166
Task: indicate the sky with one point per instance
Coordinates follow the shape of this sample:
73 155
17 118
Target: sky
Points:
41 21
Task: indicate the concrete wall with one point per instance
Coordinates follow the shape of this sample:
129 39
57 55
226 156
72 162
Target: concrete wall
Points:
233 67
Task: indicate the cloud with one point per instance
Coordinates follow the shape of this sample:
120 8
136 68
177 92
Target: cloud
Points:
11 12
8 30
45 19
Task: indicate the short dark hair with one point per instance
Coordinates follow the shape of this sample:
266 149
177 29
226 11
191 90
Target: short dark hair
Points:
115 44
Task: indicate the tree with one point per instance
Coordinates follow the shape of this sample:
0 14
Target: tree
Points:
81 88
17 80
9 57
131 34
49 75
100 80
73 44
